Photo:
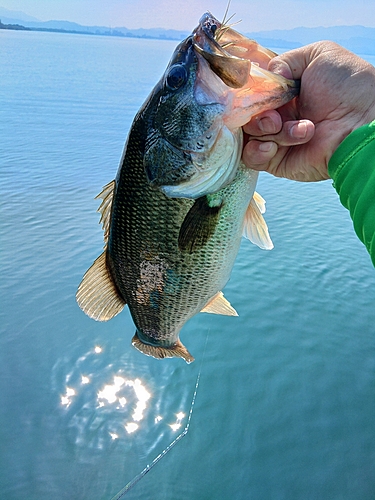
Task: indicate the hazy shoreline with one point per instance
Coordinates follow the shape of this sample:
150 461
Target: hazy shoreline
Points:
358 39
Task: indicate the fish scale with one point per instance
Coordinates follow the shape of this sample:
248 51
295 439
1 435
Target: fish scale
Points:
145 228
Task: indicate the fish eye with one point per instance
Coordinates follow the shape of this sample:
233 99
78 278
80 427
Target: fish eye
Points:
177 76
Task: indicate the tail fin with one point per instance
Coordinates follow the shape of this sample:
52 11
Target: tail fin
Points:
178 350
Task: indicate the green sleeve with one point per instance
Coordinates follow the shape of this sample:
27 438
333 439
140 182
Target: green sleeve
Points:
352 168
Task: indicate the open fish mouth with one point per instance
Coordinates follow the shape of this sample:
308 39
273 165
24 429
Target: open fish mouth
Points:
210 39
231 55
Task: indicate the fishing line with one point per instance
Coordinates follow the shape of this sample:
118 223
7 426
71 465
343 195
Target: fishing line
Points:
166 450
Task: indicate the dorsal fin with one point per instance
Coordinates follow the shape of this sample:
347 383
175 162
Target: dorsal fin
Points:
255 228
97 295
105 208
219 305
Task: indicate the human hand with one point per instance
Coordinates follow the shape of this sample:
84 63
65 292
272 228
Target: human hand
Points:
337 96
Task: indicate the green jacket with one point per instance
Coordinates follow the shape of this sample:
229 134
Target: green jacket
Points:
352 168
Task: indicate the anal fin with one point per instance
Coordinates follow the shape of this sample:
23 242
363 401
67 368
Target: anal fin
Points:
219 305
97 295
177 350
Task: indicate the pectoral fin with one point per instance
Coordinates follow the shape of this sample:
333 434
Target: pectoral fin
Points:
198 225
97 295
255 228
260 201
219 305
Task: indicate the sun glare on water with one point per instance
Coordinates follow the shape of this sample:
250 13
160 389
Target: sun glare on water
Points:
109 395
66 399
179 417
127 399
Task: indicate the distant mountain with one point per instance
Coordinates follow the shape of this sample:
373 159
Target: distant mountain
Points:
66 26
308 35
155 33
7 15
105 30
359 39
69 26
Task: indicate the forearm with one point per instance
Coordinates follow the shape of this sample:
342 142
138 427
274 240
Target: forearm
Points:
352 168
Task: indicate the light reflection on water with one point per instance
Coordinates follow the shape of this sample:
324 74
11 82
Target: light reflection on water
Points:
108 404
113 393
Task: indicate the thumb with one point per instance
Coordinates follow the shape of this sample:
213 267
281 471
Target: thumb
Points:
292 64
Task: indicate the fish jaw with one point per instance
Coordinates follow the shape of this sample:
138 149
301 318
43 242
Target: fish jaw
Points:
229 52
265 91
150 347
241 64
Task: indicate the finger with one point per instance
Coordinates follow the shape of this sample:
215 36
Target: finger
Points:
268 122
282 67
257 154
292 133
293 63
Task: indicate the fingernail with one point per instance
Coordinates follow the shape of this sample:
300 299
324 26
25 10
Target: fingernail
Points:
299 130
266 125
265 147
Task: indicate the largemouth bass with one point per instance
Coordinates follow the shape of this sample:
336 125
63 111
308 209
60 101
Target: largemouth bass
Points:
174 216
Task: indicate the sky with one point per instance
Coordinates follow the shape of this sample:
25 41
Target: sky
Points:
255 15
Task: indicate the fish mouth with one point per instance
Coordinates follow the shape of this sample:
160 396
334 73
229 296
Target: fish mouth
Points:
231 69
230 54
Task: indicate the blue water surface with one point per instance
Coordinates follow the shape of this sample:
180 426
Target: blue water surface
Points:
285 405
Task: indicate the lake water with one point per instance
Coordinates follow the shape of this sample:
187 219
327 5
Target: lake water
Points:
285 406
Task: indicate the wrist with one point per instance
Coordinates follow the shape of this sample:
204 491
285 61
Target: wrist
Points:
351 126
366 113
